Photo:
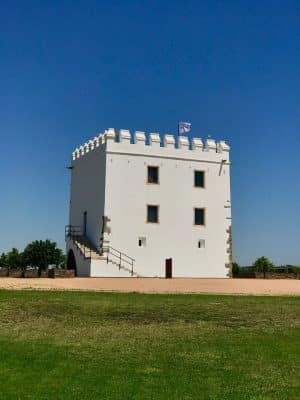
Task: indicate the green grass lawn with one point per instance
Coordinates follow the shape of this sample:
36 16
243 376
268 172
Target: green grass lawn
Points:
79 345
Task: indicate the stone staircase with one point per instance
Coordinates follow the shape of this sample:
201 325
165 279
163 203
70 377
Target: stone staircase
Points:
86 248
113 256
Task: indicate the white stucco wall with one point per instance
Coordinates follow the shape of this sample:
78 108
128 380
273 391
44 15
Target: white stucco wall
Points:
100 268
175 236
88 192
122 176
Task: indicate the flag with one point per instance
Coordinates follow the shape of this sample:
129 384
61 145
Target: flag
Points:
184 127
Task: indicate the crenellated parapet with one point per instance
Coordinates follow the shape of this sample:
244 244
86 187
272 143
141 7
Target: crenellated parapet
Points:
138 139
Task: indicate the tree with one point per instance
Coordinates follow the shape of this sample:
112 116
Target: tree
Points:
14 259
3 261
42 253
63 261
235 269
263 264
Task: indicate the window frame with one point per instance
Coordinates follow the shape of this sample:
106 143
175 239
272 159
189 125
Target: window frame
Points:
204 216
152 205
158 173
204 179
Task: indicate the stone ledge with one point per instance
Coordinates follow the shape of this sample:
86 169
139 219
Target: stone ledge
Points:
61 273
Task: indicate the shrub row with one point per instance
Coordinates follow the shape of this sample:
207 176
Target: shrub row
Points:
276 273
34 273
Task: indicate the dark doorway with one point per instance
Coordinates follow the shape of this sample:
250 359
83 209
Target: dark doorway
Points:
71 261
168 268
84 223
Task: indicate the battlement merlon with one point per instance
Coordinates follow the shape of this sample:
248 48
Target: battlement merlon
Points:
124 142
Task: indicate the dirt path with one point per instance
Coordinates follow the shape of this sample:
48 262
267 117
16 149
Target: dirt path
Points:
155 285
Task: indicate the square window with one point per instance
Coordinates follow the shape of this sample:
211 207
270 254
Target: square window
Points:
153 176
199 216
142 242
199 179
152 214
201 244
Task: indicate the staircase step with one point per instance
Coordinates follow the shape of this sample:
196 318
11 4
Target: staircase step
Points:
89 251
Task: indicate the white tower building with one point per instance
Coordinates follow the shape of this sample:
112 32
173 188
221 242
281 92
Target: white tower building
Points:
152 209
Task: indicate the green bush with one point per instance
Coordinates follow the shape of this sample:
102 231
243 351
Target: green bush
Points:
295 269
3 261
235 269
263 264
15 259
37 254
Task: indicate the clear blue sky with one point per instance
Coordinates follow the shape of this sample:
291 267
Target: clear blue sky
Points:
69 69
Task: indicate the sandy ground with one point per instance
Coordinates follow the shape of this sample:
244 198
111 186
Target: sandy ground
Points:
156 285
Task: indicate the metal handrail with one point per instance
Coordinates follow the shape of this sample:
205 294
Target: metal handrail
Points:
119 254
74 231
123 254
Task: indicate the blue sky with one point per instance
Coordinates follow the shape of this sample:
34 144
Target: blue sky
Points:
69 69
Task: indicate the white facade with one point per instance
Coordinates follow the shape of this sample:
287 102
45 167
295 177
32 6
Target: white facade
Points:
109 179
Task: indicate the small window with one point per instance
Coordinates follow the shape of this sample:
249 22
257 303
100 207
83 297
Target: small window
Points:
199 179
152 214
153 176
199 216
201 244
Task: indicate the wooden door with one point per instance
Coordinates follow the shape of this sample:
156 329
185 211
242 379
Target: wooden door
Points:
168 268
